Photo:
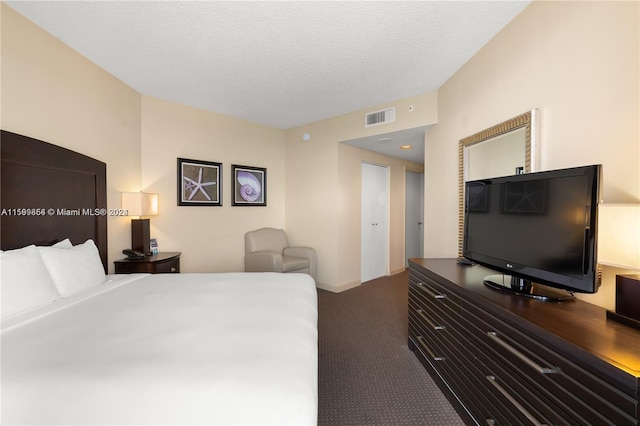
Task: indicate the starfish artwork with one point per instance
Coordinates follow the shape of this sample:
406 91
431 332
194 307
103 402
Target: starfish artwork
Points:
200 183
194 187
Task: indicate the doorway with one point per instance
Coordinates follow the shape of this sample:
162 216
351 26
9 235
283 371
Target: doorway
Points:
414 215
374 222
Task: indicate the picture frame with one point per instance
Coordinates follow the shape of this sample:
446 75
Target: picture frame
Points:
249 186
525 198
477 197
199 183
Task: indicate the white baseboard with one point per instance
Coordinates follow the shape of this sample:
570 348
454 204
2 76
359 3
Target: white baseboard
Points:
398 271
346 286
337 288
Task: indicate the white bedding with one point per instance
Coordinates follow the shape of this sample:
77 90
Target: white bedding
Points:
179 349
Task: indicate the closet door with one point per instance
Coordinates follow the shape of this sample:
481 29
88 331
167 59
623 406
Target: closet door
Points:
374 222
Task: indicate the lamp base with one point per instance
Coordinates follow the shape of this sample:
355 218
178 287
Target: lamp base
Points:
141 235
631 322
627 301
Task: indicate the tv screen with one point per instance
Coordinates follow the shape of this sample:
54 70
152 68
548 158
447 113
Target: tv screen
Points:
537 228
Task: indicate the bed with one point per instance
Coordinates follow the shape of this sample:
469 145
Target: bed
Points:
224 348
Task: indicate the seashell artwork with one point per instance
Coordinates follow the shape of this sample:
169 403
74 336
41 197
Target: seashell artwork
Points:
250 188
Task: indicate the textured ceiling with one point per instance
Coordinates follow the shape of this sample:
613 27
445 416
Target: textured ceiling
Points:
282 64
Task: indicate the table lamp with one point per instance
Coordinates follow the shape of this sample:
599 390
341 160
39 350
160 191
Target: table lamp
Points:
140 204
619 246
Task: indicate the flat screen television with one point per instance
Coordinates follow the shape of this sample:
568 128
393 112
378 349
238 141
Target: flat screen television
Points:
539 230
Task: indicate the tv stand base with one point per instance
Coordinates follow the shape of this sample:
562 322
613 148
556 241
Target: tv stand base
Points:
533 290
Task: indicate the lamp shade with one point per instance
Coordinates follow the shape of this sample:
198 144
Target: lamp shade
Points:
619 235
140 203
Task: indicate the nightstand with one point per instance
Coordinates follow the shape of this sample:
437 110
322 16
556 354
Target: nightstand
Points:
161 263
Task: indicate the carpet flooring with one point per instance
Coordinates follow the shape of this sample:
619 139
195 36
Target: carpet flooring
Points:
366 373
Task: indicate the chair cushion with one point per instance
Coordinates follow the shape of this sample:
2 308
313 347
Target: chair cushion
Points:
290 263
265 239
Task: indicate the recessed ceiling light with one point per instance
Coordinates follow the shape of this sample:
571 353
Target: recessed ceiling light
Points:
384 139
406 146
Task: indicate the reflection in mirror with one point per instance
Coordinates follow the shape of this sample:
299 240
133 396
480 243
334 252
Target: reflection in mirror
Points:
507 148
500 156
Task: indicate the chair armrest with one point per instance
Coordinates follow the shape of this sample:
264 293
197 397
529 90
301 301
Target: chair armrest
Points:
307 253
263 261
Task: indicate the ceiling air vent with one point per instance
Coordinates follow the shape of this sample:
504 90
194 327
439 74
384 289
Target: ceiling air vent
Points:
387 115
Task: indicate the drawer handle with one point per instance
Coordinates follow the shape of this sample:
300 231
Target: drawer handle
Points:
492 380
542 370
173 269
430 291
424 346
428 320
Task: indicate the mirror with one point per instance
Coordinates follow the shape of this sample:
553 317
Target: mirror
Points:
507 148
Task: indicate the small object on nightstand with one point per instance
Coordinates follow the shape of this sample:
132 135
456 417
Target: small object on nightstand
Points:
161 263
627 301
153 243
133 254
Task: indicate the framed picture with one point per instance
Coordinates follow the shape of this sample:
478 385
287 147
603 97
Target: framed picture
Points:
249 185
526 198
477 197
199 183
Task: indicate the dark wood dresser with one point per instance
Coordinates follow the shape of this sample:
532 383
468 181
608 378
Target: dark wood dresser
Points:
504 359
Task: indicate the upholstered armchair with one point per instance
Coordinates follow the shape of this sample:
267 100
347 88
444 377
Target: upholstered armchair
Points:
267 250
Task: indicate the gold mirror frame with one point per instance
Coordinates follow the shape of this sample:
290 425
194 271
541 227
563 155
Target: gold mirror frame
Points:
527 121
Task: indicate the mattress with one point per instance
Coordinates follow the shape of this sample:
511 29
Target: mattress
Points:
233 348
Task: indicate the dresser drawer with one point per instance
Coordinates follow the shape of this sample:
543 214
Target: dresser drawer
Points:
528 364
432 315
170 266
434 328
432 289
441 312
486 402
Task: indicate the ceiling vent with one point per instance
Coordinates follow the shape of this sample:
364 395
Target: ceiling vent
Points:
384 116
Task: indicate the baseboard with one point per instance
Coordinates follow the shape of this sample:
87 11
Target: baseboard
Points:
398 271
346 286
337 289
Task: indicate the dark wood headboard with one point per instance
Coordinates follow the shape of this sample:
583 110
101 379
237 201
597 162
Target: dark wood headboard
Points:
50 193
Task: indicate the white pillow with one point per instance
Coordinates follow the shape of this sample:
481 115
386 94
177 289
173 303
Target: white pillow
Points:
66 243
74 269
26 283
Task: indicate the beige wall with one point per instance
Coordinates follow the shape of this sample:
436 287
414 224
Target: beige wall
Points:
49 92
52 93
323 188
211 239
575 61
